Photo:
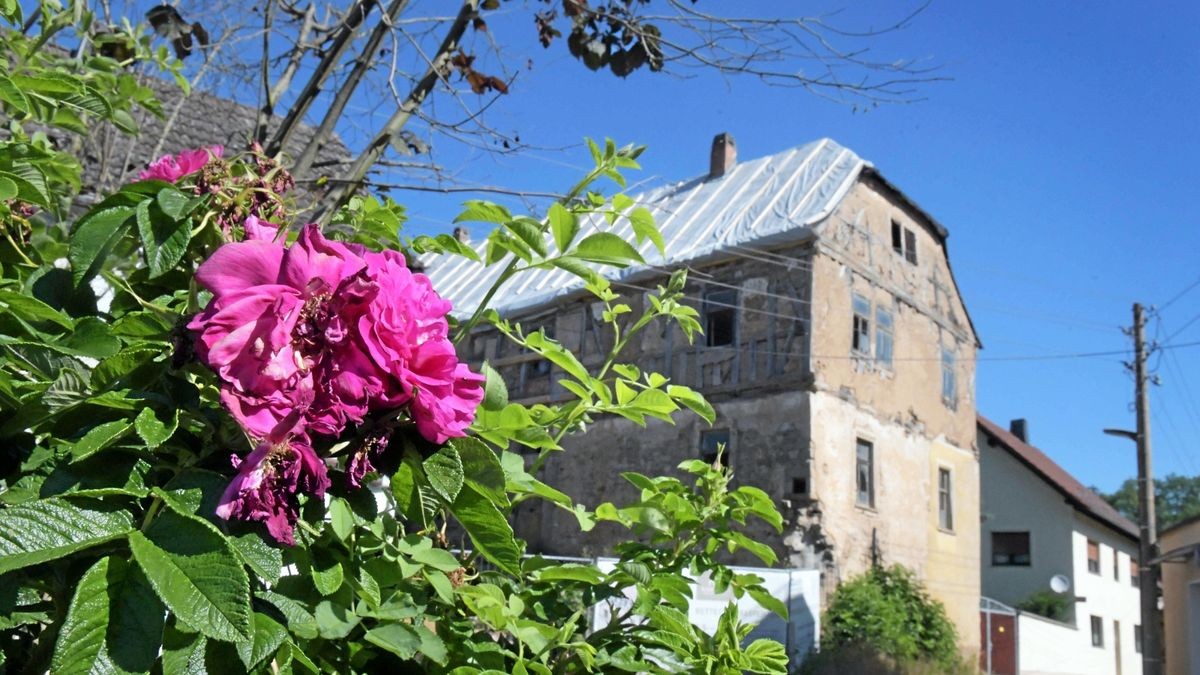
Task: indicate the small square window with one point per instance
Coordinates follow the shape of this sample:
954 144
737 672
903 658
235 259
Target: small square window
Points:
1093 553
1116 565
800 486
1135 574
1137 638
945 500
1010 548
1097 632
713 440
720 318
904 242
865 473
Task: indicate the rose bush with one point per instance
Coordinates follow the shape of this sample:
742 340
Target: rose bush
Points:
363 521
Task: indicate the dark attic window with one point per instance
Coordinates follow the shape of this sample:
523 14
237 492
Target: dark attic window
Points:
710 441
720 318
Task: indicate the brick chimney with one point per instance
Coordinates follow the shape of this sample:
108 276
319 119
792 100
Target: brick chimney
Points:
462 234
1020 429
723 157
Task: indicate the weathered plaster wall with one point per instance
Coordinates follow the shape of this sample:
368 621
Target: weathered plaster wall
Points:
856 256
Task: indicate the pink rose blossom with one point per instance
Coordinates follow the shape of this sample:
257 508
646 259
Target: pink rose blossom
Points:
311 338
268 482
171 168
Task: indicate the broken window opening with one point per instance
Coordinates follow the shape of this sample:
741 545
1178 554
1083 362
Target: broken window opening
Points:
860 341
720 318
904 242
865 473
713 441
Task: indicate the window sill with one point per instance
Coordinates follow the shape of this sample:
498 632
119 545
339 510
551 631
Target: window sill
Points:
867 508
949 532
996 564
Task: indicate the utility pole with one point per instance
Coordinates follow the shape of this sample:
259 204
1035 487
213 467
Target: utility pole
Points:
1152 642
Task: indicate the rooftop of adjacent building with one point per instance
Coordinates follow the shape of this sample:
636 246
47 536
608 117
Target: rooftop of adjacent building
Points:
1015 442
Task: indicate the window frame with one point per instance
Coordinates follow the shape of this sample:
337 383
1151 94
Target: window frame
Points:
885 328
1093 564
1013 558
1135 573
1097 632
719 304
950 376
904 242
946 499
1137 638
860 329
861 444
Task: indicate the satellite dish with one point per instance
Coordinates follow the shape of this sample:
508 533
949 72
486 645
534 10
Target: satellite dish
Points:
1059 583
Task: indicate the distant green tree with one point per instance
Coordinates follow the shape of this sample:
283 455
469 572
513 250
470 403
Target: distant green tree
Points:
1176 498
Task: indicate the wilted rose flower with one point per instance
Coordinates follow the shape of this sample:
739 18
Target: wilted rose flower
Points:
268 483
171 168
268 325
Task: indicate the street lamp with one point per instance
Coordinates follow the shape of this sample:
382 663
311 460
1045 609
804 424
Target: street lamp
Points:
1147 552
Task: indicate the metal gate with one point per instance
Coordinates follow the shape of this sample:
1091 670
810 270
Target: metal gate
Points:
998 628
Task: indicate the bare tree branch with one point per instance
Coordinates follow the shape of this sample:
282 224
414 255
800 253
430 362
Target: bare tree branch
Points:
312 88
375 149
362 64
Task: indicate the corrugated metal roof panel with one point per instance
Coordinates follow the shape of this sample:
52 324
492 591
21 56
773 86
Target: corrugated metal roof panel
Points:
763 199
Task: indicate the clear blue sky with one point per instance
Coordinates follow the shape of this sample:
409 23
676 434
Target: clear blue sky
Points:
1061 157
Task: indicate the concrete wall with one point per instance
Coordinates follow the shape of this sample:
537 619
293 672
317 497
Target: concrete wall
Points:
1181 601
1046 647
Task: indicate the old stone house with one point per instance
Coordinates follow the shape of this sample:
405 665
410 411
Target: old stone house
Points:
838 355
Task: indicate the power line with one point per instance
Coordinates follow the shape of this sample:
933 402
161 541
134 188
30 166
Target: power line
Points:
1179 295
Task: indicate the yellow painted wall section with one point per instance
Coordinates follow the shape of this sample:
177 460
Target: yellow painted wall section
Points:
952 567
1180 580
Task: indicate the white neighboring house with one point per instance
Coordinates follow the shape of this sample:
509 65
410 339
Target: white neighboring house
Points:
1038 522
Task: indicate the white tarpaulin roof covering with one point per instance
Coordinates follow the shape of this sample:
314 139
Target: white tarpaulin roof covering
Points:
766 200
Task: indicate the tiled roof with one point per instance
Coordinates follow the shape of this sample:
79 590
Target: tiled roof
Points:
1082 498
203 119
764 201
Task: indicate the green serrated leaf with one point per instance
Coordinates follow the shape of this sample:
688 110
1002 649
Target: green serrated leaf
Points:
644 228
488 529
154 431
328 579
530 232
481 468
175 204
8 189
93 238
99 438
445 472
606 247
495 392
197 574
48 529
564 225
269 635
164 239
183 652
397 638
483 212
114 625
